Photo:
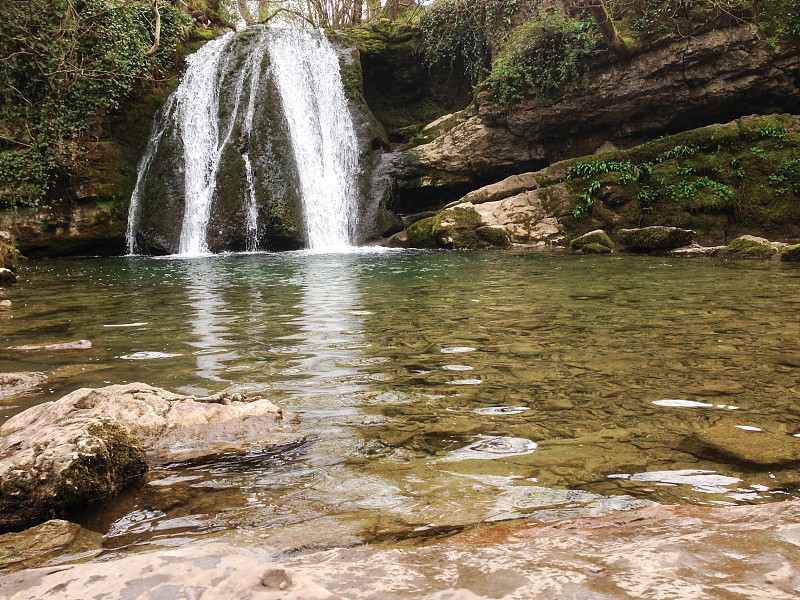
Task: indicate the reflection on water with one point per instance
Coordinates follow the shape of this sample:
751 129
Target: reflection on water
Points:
440 389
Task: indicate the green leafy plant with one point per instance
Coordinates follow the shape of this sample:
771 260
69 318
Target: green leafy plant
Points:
544 54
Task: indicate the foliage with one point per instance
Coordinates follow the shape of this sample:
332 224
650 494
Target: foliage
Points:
469 31
545 52
63 63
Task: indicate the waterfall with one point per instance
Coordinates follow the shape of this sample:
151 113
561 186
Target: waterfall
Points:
215 108
306 69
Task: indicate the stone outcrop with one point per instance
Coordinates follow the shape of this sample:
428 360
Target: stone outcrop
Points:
703 79
91 443
598 237
791 254
718 181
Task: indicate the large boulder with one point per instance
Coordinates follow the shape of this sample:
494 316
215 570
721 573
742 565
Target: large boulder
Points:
656 238
596 237
91 443
750 246
791 254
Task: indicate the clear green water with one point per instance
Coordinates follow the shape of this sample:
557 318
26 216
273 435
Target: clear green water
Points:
397 362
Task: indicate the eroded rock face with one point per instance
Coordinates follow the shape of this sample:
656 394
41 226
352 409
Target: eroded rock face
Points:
704 79
210 572
91 443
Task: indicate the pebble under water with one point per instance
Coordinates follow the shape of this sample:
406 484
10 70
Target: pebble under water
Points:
440 390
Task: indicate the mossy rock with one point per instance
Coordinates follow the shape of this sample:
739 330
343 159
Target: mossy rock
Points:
595 249
8 252
493 236
656 238
454 228
749 246
598 236
791 254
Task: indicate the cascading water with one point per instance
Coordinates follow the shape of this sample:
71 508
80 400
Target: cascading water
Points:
212 115
306 69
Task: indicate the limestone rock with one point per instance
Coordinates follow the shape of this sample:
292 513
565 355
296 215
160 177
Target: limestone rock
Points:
723 71
728 441
35 546
210 572
750 246
656 238
598 236
791 254
89 444
12 384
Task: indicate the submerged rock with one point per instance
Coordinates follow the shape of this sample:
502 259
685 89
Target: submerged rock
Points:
734 441
35 546
213 572
91 443
655 238
595 249
12 384
76 345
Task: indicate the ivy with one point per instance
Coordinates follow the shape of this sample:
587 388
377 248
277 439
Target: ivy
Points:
545 53
65 63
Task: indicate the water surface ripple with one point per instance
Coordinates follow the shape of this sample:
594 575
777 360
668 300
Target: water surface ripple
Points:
584 381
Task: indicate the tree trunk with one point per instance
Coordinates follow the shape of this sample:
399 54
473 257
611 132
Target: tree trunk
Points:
244 10
609 31
157 38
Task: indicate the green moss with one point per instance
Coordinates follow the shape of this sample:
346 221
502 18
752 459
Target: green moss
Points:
748 246
593 237
791 254
453 228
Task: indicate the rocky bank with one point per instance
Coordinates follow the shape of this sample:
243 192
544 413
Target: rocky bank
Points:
654 552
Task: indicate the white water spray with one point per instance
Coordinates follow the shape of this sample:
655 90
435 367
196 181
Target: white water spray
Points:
306 69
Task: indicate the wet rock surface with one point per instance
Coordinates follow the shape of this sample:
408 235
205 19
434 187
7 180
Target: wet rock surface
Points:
211 572
655 552
731 441
12 384
37 545
91 443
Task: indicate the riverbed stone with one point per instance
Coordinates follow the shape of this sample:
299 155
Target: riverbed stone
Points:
12 384
727 441
7 277
76 345
598 236
749 246
210 572
91 443
791 254
35 546
648 239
